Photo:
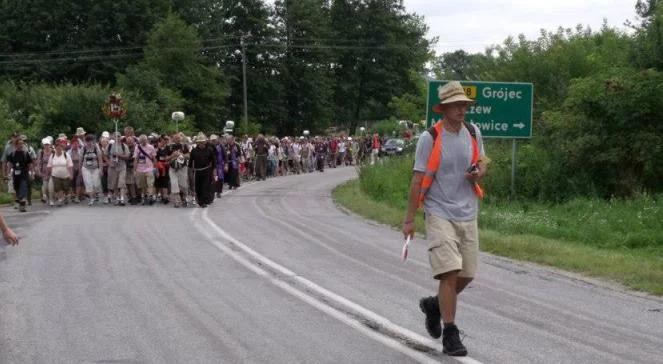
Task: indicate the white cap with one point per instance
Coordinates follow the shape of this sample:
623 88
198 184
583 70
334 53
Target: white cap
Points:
46 141
105 135
349 138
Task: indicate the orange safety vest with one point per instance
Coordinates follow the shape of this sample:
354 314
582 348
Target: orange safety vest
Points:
434 160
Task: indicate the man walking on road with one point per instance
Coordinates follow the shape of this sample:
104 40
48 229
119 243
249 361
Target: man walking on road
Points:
203 165
449 163
21 164
261 152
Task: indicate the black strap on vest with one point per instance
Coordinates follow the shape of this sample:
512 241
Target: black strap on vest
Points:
473 132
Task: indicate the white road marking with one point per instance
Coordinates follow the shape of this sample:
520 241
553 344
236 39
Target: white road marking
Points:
331 296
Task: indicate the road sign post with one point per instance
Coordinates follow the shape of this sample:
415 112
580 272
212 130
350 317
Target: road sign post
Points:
502 110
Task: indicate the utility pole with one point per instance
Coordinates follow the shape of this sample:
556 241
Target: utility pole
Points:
246 111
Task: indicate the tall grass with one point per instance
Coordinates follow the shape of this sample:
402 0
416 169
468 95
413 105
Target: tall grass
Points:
615 224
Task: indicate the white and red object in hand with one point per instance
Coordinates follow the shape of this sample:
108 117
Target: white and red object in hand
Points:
405 247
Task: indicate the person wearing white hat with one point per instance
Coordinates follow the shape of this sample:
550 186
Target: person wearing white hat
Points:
450 195
42 172
104 146
261 151
296 155
21 162
179 172
233 157
203 165
354 150
307 155
118 155
144 159
91 165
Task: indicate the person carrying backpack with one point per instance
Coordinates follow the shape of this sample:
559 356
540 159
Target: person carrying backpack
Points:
144 158
91 163
21 164
449 164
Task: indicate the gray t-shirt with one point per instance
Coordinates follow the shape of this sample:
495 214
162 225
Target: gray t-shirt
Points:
451 195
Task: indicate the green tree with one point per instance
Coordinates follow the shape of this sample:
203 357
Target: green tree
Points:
609 134
648 46
74 40
304 71
378 45
250 19
174 69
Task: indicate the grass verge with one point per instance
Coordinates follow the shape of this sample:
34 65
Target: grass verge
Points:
640 269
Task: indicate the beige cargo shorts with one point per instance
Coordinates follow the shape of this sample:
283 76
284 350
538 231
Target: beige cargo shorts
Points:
452 246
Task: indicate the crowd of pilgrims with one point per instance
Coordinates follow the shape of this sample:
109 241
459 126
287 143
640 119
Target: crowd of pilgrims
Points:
125 169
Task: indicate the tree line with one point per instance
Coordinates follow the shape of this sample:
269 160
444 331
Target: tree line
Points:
310 64
598 106
314 64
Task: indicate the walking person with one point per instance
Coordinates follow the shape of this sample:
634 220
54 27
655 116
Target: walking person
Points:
91 163
144 158
203 165
130 177
6 168
342 149
42 171
353 151
449 163
248 158
118 155
221 167
296 155
333 152
273 159
320 154
305 153
261 148
233 155
375 148
162 178
104 147
21 163
61 170
75 155
179 172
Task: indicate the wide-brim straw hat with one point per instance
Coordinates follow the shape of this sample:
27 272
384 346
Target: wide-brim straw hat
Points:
201 137
449 93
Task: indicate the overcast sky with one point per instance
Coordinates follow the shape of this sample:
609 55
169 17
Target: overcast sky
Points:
474 24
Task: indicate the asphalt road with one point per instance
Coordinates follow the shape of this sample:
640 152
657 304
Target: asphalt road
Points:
275 272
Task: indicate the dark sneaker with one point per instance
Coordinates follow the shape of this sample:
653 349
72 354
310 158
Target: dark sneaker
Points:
430 307
451 342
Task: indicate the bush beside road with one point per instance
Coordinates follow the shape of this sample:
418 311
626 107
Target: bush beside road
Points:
620 240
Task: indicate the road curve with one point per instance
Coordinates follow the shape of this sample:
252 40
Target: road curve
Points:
275 272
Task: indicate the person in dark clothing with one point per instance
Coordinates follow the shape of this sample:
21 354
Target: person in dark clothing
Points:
261 150
220 154
179 172
320 154
162 180
203 165
233 153
21 161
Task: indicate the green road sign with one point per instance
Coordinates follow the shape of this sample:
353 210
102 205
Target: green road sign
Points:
502 109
